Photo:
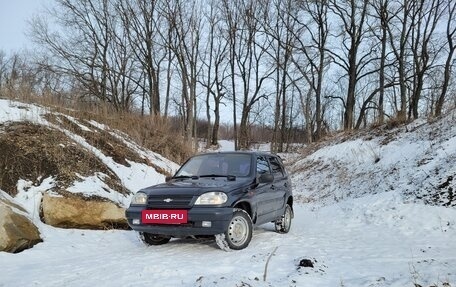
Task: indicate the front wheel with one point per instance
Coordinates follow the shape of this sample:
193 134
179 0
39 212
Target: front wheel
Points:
283 224
154 239
239 232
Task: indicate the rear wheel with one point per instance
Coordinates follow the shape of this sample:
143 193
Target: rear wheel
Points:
283 224
239 232
154 239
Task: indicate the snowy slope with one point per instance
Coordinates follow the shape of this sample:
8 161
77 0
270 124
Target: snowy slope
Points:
138 175
415 161
356 229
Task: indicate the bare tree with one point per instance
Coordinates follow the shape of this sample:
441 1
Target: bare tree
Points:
3 69
91 46
122 80
143 22
353 60
186 24
208 60
279 29
184 57
21 77
379 28
426 15
315 61
231 17
381 13
250 61
216 66
219 91
399 30
450 32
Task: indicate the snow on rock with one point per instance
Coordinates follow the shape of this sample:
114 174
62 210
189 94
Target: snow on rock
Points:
29 195
95 186
17 232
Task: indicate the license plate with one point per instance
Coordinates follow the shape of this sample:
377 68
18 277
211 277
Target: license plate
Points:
164 216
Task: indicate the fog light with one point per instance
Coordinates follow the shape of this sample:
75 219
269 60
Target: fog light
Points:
136 221
206 224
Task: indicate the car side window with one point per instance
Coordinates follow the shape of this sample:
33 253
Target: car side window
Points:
262 165
276 167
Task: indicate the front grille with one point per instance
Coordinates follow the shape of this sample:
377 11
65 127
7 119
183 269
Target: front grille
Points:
181 225
169 201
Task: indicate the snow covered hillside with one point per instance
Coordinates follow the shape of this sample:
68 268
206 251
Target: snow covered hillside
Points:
109 152
370 210
415 162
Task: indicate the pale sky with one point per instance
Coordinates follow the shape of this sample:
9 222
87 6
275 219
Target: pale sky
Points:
13 23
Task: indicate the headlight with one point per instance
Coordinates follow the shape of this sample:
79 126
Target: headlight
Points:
212 198
139 198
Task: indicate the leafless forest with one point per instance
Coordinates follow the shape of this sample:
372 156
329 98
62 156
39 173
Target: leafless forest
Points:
294 68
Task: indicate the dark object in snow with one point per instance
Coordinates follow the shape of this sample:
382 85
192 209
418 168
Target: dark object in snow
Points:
306 263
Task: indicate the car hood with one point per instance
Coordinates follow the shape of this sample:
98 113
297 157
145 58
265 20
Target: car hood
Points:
197 186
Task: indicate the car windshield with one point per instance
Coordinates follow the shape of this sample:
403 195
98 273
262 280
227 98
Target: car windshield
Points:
216 165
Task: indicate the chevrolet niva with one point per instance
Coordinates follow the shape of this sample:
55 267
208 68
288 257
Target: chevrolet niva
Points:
221 194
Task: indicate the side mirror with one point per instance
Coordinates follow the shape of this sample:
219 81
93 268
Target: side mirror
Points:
168 178
266 178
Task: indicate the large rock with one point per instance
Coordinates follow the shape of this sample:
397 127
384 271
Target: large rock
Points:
17 232
80 212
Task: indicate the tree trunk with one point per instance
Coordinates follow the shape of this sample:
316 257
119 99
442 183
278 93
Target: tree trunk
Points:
215 128
450 32
383 40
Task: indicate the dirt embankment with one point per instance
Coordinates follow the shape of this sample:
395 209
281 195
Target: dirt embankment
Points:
33 152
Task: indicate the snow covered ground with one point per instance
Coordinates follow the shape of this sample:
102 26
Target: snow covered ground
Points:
355 230
373 241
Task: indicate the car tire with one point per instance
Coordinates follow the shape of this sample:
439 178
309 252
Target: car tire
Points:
154 239
283 224
239 232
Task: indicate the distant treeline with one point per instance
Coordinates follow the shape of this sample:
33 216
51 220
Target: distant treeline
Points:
284 65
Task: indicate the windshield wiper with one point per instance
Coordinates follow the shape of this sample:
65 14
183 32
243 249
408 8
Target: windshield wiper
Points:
186 176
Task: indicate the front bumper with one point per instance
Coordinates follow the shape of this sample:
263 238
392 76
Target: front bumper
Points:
219 217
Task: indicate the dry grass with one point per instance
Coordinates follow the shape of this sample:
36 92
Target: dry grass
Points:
100 139
152 132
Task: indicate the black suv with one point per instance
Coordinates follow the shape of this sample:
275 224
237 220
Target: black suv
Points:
222 194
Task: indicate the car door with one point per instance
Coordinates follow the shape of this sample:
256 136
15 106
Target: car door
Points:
279 185
263 192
